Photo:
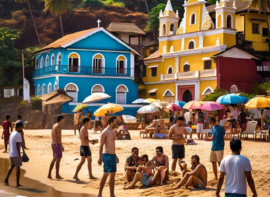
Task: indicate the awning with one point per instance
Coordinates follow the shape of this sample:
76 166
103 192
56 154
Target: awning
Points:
58 96
206 58
152 91
141 87
153 66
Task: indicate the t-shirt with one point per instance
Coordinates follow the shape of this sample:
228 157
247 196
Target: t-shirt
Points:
234 167
187 116
200 118
218 134
234 114
20 121
13 139
188 129
131 162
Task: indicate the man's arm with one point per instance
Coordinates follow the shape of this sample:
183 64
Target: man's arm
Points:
58 133
127 167
195 171
220 183
251 183
209 139
102 142
185 132
18 145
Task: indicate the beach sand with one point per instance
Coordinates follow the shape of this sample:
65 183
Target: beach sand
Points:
40 154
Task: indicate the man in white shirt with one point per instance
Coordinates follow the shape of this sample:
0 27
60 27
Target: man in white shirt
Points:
15 144
237 169
187 116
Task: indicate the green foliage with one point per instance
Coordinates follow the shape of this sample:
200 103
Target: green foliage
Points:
249 96
88 3
23 105
165 115
214 96
58 7
211 2
36 103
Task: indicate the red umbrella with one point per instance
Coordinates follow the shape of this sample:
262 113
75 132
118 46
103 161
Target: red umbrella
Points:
211 106
174 107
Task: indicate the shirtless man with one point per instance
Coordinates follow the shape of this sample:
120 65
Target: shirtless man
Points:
57 147
178 149
85 151
197 177
161 163
109 157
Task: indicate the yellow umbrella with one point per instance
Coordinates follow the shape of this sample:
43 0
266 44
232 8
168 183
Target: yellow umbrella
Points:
150 100
79 107
258 102
193 105
111 107
95 97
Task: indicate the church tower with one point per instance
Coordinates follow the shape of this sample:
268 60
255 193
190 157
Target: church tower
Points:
225 14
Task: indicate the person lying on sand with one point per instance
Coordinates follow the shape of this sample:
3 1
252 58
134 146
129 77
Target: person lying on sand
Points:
145 174
132 163
85 151
197 177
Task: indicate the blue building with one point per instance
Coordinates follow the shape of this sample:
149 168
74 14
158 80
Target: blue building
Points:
86 62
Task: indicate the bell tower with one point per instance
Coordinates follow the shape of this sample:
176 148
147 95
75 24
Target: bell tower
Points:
225 14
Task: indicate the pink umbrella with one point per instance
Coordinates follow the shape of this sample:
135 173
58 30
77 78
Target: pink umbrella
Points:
211 106
174 107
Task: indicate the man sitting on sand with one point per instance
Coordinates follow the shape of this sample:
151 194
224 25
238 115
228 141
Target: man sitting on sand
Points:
132 162
145 174
85 151
161 163
57 147
197 177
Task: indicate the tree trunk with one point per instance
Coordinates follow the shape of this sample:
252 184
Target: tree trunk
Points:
35 25
146 5
267 31
61 24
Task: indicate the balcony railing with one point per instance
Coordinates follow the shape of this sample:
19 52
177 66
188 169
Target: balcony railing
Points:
82 70
190 75
208 73
263 68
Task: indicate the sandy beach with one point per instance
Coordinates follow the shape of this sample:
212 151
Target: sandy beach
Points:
40 154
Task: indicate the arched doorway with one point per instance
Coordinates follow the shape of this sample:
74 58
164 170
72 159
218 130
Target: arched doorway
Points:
187 96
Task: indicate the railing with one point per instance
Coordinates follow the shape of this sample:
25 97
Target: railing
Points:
169 77
190 74
263 68
82 70
186 75
208 73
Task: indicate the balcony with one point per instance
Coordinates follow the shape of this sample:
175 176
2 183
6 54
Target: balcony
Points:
83 70
263 69
190 75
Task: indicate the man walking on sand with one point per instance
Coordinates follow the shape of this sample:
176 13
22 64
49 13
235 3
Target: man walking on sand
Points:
178 149
217 150
15 144
7 129
57 147
237 169
109 157
85 151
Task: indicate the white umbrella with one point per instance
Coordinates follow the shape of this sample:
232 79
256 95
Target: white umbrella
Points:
95 97
147 109
138 101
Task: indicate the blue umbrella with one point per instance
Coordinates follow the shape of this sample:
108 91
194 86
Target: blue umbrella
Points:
245 98
180 103
230 99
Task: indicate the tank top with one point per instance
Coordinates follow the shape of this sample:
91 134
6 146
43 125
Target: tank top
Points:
160 163
200 117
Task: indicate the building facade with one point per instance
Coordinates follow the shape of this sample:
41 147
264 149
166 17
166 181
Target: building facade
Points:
87 62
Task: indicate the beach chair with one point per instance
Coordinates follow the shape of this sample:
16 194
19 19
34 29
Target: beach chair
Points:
152 128
262 133
144 133
250 130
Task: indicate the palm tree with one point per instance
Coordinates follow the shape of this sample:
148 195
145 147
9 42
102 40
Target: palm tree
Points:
262 6
34 22
58 7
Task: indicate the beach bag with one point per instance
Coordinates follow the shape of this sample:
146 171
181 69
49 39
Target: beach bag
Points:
191 142
25 158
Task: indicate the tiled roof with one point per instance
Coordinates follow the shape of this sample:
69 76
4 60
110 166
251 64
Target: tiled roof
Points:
153 55
128 28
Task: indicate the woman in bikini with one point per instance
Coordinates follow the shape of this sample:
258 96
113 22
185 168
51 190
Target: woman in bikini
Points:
161 164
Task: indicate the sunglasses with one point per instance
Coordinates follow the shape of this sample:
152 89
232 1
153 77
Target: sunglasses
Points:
144 160
136 152
157 151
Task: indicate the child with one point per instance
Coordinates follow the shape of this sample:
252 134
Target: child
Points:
125 127
228 124
189 129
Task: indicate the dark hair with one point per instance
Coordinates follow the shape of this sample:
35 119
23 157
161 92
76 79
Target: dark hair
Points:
7 117
111 119
180 118
212 119
19 124
189 122
85 120
19 116
144 156
59 118
134 148
195 157
235 144
160 148
105 114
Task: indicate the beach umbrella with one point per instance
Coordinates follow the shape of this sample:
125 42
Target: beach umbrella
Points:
79 107
150 100
174 107
230 99
193 105
111 107
95 97
180 103
244 98
258 102
138 101
211 106
147 109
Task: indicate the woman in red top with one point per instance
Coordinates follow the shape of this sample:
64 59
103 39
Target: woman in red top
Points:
6 131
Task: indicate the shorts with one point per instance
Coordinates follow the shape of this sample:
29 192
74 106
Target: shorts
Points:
15 161
201 185
199 127
234 195
216 156
85 151
57 150
109 161
145 181
178 151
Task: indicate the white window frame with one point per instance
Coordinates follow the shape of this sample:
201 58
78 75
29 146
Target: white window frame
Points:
221 25
125 93
125 64
103 90
207 89
76 100
163 33
168 70
167 91
52 60
102 65
231 20
174 29
55 85
38 89
58 63
47 61
41 62
191 18
48 88
151 72
79 60
192 40
44 85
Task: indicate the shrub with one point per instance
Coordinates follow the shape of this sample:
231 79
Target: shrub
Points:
23 104
36 103
214 96
88 3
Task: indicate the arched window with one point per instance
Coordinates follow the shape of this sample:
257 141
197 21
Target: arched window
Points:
37 63
47 61
168 96
98 64
170 70
55 87
121 64
72 91
52 60
229 21
193 19
191 45
219 21
44 89
49 88
164 30
97 89
172 29
187 96
121 96
186 68
41 62
73 60
59 59
207 91
38 89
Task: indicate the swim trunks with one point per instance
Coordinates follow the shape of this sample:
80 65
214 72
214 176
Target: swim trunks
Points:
109 161
57 150
200 185
85 151
145 181
234 195
178 151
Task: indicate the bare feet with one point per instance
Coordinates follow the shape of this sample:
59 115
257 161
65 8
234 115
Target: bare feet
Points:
129 187
92 177
49 177
4 151
76 178
18 185
6 182
59 177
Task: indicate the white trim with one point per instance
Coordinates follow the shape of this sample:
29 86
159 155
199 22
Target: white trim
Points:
117 92
101 104
154 90
162 29
208 78
196 3
191 18
76 91
79 61
52 62
103 63
207 89
74 49
174 29
168 70
55 84
231 20
192 40
154 66
47 61
42 92
80 76
96 85
222 21
225 9
169 91
38 89
196 83
125 63
121 85
175 81
48 88
41 62
98 30
165 19
152 60
57 59
132 66
206 58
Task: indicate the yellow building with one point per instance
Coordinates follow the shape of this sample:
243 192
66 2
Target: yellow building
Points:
182 68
